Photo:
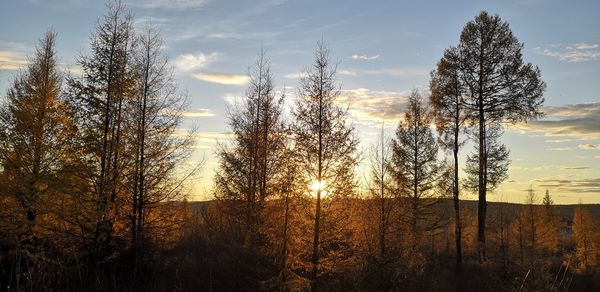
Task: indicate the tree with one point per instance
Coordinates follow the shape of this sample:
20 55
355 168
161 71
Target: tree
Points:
498 87
447 102
33 133
496 170
531 216
584 230
380 177
97 104
547 201
549 225
251 166
33 130
414 165
324 141
154 153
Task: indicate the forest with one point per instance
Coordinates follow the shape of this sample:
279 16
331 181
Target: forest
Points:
94 172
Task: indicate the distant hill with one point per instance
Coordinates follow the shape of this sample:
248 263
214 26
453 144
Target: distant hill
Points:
511 209
564 211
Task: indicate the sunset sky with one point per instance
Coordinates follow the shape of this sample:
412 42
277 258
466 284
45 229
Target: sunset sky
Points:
384 48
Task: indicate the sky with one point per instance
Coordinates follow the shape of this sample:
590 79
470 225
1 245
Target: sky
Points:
384 50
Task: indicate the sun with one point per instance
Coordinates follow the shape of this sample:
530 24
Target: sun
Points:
317 185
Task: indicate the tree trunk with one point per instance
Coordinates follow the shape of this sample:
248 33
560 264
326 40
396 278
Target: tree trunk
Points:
382 207
458 224
482 206
315 257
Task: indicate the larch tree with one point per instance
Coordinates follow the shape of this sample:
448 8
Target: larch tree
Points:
549 226
156 153
252 165
498 87
33 129
414 165
531 221
450 114
498 160
380 191
584 235
97 103
326 146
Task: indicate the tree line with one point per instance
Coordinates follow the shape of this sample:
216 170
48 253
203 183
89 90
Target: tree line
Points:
94 174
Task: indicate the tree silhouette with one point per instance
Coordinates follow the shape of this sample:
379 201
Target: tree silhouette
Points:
252 166
154 153
450 117
33 134
498 87
414 164
97 101
326 145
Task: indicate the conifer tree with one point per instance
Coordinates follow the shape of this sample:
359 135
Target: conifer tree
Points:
326 147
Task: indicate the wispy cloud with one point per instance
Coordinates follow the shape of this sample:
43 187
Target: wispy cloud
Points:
580 121
213 137
10 60
294 75
589 146
222 78
558 140
394 72
397 72
58 4
297 75
73 69
371 107
143 21
199 113
191 62
238 24
347 72
560 149
580 52
172 4
364 57
586 185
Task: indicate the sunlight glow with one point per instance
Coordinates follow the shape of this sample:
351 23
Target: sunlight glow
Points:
316 186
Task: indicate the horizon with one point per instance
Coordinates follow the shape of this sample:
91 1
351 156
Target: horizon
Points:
384 52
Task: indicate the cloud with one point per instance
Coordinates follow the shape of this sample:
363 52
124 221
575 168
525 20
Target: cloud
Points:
560 149
57 4
586 185
199 113
397 72
222 78
371 107
364 57
546 168
10 60
190 62
347 72
71 68
294 75
581 121
558 140
584 46
232 99
144 21
173 4
577 168
589 146
580 52
208 140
